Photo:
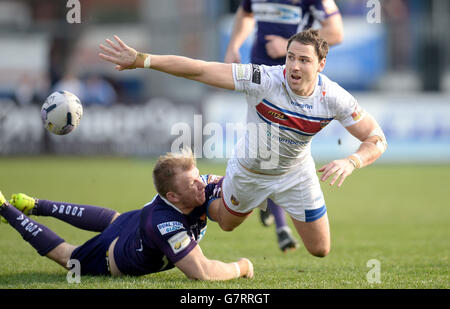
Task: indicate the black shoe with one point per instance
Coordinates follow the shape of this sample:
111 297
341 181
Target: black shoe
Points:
285 240
266 217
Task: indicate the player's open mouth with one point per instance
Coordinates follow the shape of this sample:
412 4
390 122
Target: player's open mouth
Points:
295 77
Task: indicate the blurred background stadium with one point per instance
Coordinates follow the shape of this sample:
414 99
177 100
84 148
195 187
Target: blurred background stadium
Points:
396 63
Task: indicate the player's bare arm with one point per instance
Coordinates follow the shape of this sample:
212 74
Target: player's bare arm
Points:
196 266
372 147
243 26
211 73
332 29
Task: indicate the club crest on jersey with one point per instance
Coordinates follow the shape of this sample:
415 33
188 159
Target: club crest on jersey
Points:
324 123
357 114
234 200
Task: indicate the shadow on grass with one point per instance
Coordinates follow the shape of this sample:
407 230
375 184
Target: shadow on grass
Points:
46 280
28 279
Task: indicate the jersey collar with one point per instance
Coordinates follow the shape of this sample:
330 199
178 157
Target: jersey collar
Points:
170 204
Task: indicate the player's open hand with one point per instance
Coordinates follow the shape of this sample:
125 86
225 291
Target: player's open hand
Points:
340 168
276 46
232 56
120 54
250 272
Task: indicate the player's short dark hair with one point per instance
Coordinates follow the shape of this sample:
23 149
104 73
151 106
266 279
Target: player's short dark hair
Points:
168 167
311 37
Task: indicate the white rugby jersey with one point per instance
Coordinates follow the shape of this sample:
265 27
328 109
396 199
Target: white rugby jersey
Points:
287 122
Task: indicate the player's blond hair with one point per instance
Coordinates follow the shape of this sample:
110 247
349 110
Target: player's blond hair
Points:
170 165
311 37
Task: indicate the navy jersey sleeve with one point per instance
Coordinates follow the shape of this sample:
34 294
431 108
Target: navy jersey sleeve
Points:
170 234
322 9
246 5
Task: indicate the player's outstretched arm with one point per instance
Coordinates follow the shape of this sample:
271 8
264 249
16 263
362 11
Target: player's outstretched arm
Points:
372 147
211 73
196 266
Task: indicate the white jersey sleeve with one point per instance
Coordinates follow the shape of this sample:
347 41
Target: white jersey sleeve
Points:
252 79
348 111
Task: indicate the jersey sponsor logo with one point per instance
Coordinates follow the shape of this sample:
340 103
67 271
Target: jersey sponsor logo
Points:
277 115
256 74
243 72
168 227
179 241
302 106
287 141
277 13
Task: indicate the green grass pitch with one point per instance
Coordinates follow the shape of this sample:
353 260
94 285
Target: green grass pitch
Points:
396 214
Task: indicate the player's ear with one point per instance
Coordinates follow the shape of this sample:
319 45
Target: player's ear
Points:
322 64
172 197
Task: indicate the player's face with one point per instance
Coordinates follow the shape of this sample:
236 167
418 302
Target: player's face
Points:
190 188
302 68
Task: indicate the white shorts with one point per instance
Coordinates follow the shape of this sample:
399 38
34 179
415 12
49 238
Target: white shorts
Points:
298 192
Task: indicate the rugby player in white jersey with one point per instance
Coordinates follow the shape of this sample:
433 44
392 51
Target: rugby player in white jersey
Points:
294 102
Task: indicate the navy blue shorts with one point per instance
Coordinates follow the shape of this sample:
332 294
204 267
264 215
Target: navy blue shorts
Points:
92 254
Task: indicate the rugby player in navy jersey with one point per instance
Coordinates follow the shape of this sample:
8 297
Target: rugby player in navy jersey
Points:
277 21
164 234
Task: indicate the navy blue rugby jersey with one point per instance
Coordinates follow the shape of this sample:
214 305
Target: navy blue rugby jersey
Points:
283 18
159 235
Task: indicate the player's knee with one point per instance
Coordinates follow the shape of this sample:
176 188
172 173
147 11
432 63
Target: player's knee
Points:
226 227
320 251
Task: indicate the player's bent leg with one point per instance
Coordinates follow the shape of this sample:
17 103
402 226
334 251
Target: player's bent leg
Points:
315 235
40 237
61 254
227 219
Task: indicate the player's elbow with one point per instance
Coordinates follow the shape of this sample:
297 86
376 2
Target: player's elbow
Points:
337 37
